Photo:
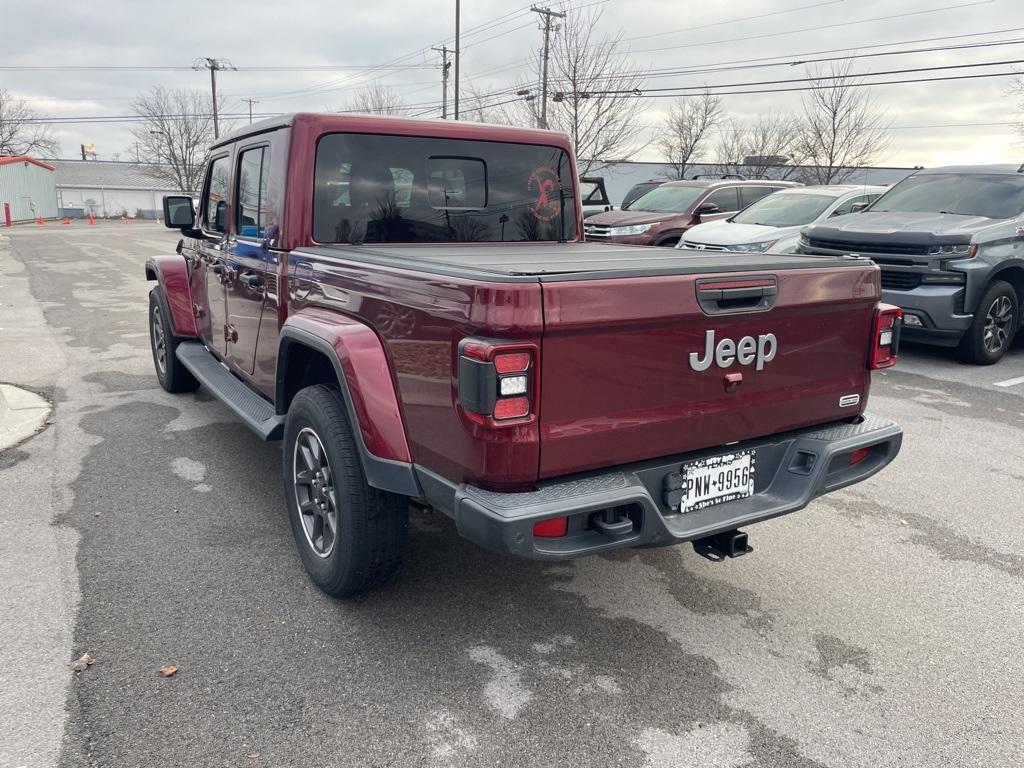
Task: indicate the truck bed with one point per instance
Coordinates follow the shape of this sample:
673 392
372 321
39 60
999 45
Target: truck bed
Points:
567 261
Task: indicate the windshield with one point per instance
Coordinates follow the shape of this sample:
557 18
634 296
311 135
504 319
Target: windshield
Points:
409 189
666 199
788 210
994 196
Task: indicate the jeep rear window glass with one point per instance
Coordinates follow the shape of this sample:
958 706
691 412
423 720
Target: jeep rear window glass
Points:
253 176
406 189
788 210
992 195
215 205
667 199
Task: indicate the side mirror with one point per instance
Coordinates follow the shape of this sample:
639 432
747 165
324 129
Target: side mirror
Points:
178 212
707 208
858 207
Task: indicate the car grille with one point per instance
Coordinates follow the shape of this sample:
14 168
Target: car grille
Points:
596 231
702 246
900 281
839 245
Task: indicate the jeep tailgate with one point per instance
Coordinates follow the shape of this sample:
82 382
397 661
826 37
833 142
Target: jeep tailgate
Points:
617 384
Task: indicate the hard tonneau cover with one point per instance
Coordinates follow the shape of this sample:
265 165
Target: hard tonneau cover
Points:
567 261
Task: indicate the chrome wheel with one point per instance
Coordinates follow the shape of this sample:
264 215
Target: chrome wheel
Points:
998 324
159 339
315 495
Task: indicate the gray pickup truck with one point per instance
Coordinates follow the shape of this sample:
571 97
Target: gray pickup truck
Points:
950 244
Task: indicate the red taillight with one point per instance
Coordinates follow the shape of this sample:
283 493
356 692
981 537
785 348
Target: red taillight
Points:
511 408
551 528
497 380
512 362
886 336
859 455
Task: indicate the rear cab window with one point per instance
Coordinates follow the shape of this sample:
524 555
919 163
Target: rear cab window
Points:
407 189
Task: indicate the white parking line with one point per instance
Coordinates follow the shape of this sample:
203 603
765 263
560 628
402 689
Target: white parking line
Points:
1010 382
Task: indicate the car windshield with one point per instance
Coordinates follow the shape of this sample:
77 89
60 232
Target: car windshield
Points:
785 210
994 196
666 199
410 189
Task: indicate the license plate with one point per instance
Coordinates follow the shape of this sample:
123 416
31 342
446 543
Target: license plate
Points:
717 479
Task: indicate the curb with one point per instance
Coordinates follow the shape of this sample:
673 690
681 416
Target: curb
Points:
22 414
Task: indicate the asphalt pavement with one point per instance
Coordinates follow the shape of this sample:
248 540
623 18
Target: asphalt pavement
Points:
880 627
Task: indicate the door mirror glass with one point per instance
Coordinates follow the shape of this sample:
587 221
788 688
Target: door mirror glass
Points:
221 216
178 212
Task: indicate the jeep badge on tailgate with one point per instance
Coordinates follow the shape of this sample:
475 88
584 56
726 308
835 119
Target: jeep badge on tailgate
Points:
745 351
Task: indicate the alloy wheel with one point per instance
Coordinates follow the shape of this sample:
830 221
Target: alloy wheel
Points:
159 340
315 495
998 324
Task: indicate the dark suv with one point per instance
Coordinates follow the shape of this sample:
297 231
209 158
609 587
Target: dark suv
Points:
661 216
950 243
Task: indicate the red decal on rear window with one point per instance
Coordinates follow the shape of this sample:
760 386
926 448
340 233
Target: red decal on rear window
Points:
546 185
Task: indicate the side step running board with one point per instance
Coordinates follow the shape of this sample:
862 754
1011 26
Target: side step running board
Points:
254 410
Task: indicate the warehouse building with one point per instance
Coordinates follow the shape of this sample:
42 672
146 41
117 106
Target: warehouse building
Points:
107 189
27 189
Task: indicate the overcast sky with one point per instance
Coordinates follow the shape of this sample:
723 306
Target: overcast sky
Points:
659 33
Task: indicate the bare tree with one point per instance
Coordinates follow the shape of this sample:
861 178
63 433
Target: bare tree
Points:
766 145
594 89
688 128
841 128
174 135
20 133
1017 89
375 99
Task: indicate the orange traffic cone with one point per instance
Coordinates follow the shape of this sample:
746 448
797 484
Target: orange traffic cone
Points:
40 221
92 221
65 220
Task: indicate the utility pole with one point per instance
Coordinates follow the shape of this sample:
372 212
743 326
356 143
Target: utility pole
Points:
250 102
548 27
458 51
215 66
445 66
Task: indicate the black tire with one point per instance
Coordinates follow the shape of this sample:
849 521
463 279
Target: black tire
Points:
173 376
370 526
669 242
995 324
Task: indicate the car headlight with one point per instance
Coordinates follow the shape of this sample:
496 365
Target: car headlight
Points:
962 250
761 247
636 229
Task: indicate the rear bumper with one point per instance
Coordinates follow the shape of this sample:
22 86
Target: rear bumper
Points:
791 470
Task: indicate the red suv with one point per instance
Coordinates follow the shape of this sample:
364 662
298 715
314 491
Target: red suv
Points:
661 216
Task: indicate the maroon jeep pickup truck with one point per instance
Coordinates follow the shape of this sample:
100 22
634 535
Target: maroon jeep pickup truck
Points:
410 307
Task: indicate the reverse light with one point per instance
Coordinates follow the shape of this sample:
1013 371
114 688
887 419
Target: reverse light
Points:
885 338
552 528
512 385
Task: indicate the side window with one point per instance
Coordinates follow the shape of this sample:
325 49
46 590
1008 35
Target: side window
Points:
726 199
750 195
215 204
253 177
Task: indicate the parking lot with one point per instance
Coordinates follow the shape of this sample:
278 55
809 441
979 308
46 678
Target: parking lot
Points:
880 627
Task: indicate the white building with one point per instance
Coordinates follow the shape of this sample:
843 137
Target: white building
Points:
26 189
108 189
